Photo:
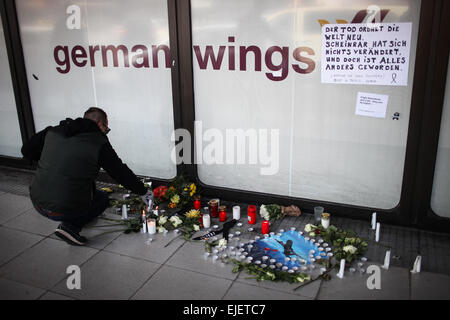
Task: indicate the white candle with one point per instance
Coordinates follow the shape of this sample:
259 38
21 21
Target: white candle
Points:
124 212
387 260
236 212
374 220
151 226
144 222
206 221
417 265
341 269
377 232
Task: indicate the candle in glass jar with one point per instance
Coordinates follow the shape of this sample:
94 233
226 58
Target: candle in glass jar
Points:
222 213
265 227
214 208
325 220
251 212
197 202
206 220
151 226
236 212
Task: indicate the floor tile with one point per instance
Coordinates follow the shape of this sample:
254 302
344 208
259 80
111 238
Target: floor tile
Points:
54 296
32 222
45 264
172 283
12 290
110 276
138 245
12 205
394 286
191 256
99 233
309 290
241 291
430 286
13 242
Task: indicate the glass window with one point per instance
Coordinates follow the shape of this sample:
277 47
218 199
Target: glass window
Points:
10 138
257 69
440 196
110 54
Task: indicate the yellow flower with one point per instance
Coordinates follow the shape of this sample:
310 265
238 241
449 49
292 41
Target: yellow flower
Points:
193 189
175 199
192 213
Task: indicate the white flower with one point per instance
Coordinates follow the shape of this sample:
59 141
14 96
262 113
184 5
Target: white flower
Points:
196 227
161 229
350 249
162 220
222 243
176 221
312 234
264 213
310 227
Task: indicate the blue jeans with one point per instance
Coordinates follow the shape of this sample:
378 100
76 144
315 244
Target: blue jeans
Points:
77 222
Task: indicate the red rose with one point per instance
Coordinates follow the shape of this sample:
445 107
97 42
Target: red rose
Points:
317 231
160 191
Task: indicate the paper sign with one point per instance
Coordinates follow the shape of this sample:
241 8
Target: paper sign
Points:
371 105
369 54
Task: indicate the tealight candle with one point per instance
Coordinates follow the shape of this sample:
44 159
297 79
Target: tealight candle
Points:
272 266
237 233
265 258
239 224
257 262
292 228
284 268
281 230
264 265
272 261
215 226
279 264
250 229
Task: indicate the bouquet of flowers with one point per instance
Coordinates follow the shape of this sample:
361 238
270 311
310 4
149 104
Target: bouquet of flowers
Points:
187 224
274 212
346 244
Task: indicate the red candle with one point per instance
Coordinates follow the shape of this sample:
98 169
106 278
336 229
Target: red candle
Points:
265 227
251 211
197 202
222 213
213 208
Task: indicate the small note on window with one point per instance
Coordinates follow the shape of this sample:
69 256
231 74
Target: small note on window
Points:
371 105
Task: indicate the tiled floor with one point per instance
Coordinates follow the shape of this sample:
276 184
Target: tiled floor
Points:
33 264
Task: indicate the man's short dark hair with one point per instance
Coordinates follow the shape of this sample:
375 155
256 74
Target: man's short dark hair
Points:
96 114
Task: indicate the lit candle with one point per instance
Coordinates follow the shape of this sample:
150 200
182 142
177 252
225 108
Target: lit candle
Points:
340 274
124 212
387 260
236 212
374 220
144 222
151 226
377 232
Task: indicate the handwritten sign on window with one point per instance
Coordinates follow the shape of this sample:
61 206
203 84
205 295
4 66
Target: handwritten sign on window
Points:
369 54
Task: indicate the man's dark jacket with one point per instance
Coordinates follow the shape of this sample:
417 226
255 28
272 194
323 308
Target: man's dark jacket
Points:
69 157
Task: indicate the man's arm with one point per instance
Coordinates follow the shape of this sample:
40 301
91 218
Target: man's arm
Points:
32 149
110 161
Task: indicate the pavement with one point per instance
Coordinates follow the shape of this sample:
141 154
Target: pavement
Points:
116 266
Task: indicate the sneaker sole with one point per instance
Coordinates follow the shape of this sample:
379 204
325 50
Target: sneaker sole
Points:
68 238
